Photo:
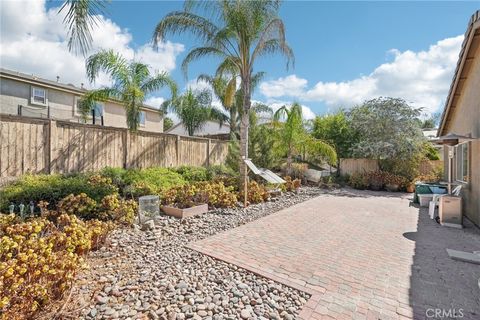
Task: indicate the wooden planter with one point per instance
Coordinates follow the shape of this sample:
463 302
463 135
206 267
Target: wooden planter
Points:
185 213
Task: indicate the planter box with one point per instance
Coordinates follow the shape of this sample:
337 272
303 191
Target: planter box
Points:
187 212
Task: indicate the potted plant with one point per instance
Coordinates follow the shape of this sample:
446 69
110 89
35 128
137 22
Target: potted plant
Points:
410 187
184 201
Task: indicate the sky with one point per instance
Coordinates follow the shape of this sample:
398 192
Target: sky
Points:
345 52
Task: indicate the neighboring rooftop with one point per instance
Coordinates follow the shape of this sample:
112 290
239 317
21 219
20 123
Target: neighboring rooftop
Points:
31 78
211 128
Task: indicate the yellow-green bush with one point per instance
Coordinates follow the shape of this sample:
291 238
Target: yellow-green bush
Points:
256 193
39 259
215 194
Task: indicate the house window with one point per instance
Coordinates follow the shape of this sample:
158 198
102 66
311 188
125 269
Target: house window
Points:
98 108
39 96
462 162
142 119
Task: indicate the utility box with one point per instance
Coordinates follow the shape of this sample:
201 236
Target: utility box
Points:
450 211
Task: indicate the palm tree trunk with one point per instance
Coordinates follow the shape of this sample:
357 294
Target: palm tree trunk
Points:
289 163
244 126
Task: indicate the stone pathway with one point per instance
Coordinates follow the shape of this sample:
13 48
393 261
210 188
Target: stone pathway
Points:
360 255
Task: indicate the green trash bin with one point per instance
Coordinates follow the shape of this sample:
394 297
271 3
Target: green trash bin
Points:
428 188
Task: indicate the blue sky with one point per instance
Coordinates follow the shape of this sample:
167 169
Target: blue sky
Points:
345 52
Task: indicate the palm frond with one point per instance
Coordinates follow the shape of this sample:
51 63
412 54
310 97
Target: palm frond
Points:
159 81
110 62
230 90
197 53
182 21
87 102
81 16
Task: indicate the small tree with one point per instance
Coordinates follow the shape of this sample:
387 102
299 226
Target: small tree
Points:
167 123
336 129
194 109
387 128
293 138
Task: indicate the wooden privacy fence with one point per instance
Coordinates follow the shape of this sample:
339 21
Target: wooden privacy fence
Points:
31 145
351 166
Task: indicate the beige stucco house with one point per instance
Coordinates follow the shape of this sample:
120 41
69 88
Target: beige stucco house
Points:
462 116
31 96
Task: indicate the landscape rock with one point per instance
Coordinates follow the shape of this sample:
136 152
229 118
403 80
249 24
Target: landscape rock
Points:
152 275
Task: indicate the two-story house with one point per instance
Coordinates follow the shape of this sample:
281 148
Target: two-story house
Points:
31 96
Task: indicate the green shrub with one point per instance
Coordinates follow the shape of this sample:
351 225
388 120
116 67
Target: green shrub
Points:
53 188
193 174
151 181
359 180
220 171
117 175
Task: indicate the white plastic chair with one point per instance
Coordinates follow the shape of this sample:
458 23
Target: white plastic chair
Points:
436 201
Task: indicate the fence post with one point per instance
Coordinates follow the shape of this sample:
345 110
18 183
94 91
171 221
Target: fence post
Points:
208 152
178 149
52 154
125 142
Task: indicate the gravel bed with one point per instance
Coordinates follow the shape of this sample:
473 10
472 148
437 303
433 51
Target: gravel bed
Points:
151 275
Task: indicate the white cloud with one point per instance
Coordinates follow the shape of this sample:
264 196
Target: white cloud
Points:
154 101
421 78
288 86
34 41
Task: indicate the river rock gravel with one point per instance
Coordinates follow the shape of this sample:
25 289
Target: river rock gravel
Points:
152 275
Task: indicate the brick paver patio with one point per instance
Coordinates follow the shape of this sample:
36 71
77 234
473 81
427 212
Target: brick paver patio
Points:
361 256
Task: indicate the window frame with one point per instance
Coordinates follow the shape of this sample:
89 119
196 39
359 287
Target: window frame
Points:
144 119
460 158
32 96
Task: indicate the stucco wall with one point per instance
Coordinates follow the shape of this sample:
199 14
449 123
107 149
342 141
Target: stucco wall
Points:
14 93
465 120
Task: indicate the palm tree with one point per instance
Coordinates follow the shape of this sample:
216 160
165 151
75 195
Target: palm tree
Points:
194 109
80 18
293 138
236 31
224 87
132 81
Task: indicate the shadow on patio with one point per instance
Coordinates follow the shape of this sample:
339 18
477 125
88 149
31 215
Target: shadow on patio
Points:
442 288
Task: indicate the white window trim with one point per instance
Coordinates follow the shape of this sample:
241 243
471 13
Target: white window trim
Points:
32 100
457 150
145 118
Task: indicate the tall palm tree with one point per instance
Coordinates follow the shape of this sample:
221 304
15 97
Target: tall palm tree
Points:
236 31
132 81
293 137
80 18
194 109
